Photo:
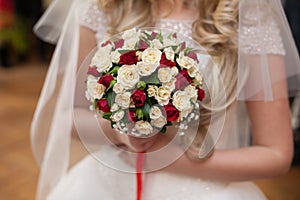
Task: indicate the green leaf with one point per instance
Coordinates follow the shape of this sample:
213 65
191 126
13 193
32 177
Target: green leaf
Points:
146 110
110 98
152 79
107 115
95 104
160 37
114 70
124 51
112 83
163 130
139 113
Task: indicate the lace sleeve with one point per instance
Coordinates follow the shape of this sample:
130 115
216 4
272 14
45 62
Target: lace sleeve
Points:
260 32
93 18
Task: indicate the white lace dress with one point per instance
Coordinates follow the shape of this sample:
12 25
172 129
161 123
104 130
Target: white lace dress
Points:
91 180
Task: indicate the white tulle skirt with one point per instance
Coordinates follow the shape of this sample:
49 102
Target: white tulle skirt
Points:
91 180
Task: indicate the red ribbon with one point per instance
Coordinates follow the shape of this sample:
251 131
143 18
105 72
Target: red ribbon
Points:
139 178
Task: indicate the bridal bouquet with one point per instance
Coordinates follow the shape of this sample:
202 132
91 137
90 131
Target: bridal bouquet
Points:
143 81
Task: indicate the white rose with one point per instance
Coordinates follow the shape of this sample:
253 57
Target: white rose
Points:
146 69
155 112
94 89
130 43
118 88
117 116
129 34
159 122
130 37
169 42
144 128
181 100
151 55
156 44
128 76
164 74
171 84
103 63
123 100
186 62
170 54
163 96
186 112
114 107
101 59
152 90
193 71
115 56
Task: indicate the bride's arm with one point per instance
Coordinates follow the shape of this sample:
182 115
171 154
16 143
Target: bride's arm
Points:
270 155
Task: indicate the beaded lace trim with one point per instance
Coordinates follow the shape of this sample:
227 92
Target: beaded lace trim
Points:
250 34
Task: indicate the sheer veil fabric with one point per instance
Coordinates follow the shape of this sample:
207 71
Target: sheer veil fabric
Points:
263 62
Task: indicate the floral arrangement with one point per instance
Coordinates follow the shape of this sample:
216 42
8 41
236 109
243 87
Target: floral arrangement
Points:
143 81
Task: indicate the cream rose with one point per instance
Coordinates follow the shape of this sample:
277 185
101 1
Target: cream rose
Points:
146 69
163 95
170 54
143 128
152 90
94 89
115 56
199 78
174 71
118 88
123 100
128 76
117 116
191 91
181 100
151 55
186 62
164 74
170 85
159 122
155 112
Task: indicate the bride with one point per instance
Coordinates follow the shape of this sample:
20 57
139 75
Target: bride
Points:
81 157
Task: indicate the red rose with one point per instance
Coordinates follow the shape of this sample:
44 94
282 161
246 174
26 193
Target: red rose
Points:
153 35
119 43
172 112
183 46
103 105
106 43
193 55
142 45
132 116
182 80
105 80
201 94
93 71
138 97
164 62
129 58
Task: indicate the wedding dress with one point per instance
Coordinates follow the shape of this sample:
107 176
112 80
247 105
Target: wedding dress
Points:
90 178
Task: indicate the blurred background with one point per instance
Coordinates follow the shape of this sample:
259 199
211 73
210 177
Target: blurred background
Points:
24 61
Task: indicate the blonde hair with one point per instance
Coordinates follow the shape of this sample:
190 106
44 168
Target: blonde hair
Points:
215 29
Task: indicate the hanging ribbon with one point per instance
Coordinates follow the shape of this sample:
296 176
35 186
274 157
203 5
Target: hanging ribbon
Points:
139 177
